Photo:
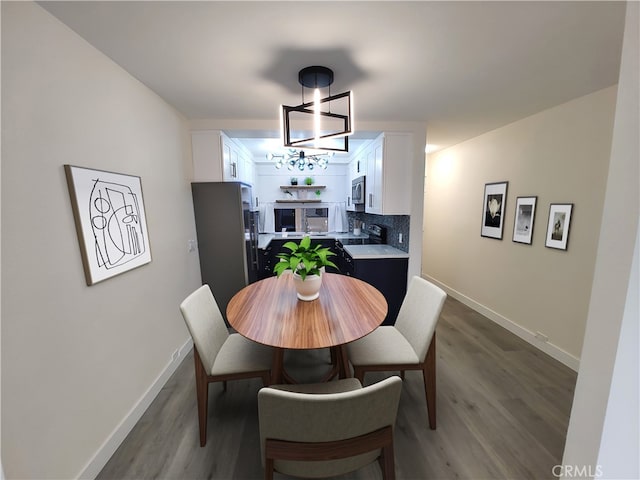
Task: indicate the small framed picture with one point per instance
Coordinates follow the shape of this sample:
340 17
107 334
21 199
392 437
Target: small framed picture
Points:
493 208
523 223
558 226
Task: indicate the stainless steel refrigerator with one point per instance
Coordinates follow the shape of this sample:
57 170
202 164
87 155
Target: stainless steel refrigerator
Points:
227 231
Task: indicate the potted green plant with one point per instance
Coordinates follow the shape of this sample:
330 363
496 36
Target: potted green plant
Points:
294 181
307 263
308 181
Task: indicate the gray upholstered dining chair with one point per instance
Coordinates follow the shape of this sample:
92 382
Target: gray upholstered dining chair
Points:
327 429
408 345
219 355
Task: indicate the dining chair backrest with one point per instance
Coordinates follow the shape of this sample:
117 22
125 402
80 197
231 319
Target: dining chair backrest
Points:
419 314
205 323
312 417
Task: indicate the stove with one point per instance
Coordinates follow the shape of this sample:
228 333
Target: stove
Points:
377 234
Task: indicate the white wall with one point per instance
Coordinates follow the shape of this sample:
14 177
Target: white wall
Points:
561 155
612 313
77 360
620 443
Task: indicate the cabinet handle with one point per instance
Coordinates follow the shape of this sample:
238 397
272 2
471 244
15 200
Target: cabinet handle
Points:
371 199
348 201
234 171
257 203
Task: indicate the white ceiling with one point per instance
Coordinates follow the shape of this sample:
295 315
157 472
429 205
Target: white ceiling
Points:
462 68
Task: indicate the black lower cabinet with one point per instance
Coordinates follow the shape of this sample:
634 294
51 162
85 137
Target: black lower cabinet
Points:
265 263
389 275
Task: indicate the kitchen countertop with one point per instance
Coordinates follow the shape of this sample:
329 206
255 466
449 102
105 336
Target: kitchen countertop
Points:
265 238
360 252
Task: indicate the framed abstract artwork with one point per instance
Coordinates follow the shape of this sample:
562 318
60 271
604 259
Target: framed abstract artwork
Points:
109 215
558 225
524 218
493 209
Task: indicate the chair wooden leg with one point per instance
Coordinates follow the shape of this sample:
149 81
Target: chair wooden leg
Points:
387 463
268 469
343 361
359 374
429 374
277 366
202 394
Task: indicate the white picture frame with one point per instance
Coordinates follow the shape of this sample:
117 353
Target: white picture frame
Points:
108 210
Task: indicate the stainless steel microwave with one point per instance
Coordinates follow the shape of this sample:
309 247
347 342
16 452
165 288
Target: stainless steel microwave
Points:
358 192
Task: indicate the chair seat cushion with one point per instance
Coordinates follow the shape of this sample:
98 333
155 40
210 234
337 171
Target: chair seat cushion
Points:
384 346
239 355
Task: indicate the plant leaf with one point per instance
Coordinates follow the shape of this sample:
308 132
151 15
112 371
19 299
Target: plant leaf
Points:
293 246
305 242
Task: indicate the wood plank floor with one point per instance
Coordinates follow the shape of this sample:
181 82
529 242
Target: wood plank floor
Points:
503 411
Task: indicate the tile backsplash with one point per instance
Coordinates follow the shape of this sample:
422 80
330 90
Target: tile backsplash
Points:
395 225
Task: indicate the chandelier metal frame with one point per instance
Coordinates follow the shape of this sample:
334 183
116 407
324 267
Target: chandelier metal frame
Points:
317 77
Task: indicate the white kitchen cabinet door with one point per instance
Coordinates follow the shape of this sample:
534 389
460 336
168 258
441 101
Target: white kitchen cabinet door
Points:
217 158
347 188
229 160
388 166
358 166
355 170
206 155
373 185
248 170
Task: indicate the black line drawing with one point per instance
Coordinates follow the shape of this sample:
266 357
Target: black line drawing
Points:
115 219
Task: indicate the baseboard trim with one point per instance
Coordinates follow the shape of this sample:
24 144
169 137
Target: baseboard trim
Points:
111 444
549 348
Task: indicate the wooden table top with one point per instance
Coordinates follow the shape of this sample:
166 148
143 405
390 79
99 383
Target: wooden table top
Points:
270 313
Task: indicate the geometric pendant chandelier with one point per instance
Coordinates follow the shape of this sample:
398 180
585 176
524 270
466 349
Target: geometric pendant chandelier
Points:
322 123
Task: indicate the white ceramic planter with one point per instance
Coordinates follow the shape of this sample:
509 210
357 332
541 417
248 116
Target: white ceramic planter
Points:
309 288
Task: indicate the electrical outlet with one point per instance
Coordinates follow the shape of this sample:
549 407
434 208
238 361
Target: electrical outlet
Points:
541 336
399 238
191 245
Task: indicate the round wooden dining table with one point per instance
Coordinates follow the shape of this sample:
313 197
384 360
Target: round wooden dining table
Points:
269 312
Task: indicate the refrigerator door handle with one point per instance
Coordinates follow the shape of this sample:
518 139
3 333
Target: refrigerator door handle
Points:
253 241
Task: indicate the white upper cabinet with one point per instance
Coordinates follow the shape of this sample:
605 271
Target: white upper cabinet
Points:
217 158
357 168
358 165
387 182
